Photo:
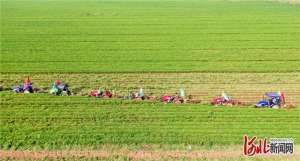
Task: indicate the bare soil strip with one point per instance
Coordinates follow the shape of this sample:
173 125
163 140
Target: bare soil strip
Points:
153 155
131 154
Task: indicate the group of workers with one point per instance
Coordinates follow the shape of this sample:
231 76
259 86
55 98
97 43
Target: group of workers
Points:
274 100
101 93
57 89
138 95
26 87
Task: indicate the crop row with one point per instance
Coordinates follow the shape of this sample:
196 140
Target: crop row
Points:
248 87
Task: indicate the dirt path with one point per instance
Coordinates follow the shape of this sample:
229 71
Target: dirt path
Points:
130 154
136 155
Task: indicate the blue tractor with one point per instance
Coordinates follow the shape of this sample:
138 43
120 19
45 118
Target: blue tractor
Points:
272 100
25 88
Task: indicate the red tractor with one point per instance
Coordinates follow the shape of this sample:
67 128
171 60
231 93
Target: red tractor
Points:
172 99
101 93
224 100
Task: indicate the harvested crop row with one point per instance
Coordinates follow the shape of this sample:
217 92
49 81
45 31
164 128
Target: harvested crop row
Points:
248 87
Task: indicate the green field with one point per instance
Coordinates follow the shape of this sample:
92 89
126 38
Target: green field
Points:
41 122
149 36
45 122
245 48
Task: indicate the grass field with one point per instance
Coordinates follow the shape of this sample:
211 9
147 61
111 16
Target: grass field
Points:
42 122
85 122
149 36
245 48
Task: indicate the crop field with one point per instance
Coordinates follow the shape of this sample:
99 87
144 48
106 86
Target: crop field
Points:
86 122
243 47
55 123
149 36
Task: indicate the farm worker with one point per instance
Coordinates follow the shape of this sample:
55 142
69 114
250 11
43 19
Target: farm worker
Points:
282 97
100 92
27 84
141 93
136 94
131 95
57 83
58 86
27 81
181 92
54 89
225 97
274 101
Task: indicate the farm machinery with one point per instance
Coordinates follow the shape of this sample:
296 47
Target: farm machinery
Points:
101 93
60 89
172 99
25 88
177 99
138 95
224 100
272 100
